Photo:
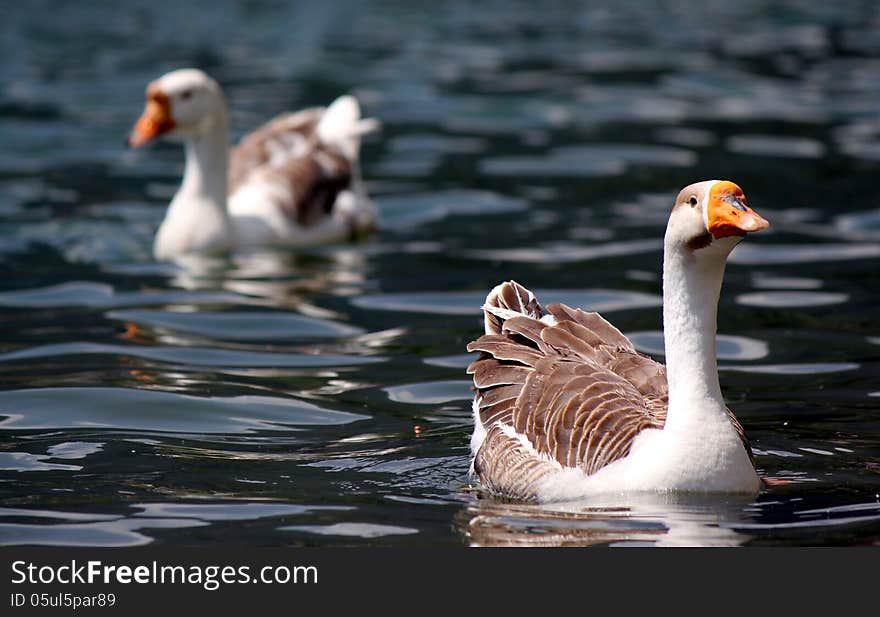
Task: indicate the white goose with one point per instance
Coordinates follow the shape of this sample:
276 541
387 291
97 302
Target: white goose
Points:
293 182
566 408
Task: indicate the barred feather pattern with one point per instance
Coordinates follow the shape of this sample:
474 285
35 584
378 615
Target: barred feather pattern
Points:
508 300
502 458
566 392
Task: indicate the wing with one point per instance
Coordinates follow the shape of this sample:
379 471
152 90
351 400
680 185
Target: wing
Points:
286 136
295 171
305 188
557 388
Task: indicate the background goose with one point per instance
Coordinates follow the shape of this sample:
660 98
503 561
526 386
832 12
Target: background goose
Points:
294 182
565 406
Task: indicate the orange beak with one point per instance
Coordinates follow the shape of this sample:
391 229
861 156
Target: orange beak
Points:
729 214
155 120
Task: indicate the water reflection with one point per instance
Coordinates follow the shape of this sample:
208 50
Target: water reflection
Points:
100 295
632 520
431 393
754 254
191 356
778 299
134 528
236 325
729 347
358 530
469 302
66 451
278 278
117 533
150 410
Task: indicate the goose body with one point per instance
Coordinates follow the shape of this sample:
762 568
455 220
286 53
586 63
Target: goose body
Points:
293 182
566 408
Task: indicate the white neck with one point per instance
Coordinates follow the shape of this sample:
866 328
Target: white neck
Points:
691 288
197 218
207 161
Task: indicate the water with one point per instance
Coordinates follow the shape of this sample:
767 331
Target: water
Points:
272 399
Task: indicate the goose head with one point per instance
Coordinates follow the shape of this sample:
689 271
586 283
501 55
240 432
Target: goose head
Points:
710 218
185 102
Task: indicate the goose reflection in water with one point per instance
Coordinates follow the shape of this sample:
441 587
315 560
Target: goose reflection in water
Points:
644 519
276 277
267 297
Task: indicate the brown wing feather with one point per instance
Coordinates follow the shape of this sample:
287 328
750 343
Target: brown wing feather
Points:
511 470
313 182
286 153
282 133
576 389
603 333
507 297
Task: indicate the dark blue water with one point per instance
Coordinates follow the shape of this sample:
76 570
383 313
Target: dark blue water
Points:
274 399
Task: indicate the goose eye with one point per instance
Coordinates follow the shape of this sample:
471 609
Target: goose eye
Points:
692 200
185 94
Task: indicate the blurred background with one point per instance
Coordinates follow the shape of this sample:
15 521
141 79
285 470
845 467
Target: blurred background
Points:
320 398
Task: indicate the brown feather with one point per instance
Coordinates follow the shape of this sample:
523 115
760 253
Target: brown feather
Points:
286 152
512 471
699 242
490 373
502 348
314 182
512 297
255 150
594 322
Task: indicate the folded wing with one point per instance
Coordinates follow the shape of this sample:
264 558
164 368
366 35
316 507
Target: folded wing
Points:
557 388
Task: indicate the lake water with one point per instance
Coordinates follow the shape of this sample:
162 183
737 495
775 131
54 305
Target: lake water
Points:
273 399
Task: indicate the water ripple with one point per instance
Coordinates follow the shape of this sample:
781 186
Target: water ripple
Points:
239 326
567 253
126 409
430 392
407 210
775 145
780 299
195 356
229 511
729 347
456 361
360 530
25 461
763 281
587 160
85 293
818 368
117 533
469 302
755 254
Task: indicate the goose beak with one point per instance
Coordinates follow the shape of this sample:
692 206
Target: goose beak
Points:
155 120
729 214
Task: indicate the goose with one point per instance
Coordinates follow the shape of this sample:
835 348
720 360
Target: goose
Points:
565 407
293 182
